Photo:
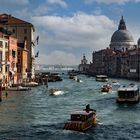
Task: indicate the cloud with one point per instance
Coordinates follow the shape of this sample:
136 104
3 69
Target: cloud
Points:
111 1
14 2
61 3
98 11
57 57
78 31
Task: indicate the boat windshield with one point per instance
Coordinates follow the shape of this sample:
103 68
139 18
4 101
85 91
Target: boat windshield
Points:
128 94
80 117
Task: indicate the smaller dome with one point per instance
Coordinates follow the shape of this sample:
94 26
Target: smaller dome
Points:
139 41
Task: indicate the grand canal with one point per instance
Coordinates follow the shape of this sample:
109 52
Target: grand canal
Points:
35 115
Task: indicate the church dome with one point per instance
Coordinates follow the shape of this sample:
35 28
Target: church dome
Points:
121 36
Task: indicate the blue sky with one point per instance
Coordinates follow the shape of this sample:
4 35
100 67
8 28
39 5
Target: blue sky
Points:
69 28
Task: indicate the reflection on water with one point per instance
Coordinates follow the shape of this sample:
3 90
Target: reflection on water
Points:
37 115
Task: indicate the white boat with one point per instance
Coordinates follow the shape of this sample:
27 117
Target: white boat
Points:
101 78
128 94
18 88
115 83
30 84
54 91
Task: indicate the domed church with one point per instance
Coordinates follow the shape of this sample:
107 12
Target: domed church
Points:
121 39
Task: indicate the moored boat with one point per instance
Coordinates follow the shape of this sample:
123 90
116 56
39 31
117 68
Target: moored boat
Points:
30 84
128 94
81 120
18 88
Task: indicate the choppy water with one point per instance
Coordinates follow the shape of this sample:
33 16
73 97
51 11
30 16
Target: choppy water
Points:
35 115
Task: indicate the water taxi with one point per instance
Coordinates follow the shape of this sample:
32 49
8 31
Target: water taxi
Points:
106 88
101 78
81 120
128 94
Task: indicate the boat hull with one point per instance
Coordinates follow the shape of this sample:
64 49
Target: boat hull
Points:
121 101
79 126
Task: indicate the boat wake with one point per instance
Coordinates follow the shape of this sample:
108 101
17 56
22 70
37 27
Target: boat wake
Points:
56 92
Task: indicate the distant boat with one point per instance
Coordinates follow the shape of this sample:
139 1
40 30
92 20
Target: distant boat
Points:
106 88
115 83
55 91
81 120
101 78
30 84
18 88
128 94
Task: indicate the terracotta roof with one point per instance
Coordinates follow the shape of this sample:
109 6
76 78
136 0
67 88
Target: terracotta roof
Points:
10 20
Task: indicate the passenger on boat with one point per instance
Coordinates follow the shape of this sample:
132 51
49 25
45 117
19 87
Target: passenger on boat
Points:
87 109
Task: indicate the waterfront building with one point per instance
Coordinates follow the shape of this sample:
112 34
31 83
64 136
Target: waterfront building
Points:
84 66
22 54
12 54
22 30
4 57
110 62
134 63
98 65
122 59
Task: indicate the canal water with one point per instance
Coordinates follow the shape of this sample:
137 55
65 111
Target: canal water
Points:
35 115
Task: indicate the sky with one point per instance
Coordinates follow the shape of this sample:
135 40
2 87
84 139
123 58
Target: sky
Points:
68 29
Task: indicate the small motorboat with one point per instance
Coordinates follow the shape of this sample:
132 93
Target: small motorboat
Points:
55 91
30 84
18 88
115 83
81 120
106 88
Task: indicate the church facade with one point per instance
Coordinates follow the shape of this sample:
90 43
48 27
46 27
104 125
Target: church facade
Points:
121 58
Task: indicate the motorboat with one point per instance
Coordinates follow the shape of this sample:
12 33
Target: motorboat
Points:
18 88
81 120
30 84
106 88
115 83
128 94
55 91
101 78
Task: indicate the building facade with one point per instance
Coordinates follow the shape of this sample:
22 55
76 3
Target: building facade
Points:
22 58
23 31
4 58
122 59
12 54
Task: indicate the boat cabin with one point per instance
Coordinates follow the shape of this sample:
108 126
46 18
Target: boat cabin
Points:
101 78
81 120
128 94
81 115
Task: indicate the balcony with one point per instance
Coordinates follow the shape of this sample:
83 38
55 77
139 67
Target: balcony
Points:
4 63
